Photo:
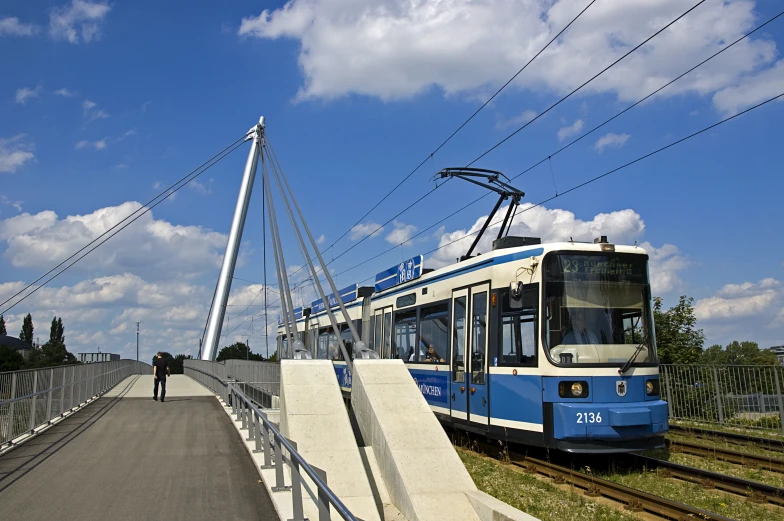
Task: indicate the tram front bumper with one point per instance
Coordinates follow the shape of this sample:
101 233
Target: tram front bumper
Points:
609 421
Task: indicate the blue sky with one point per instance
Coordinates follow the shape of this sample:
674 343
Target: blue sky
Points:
103 104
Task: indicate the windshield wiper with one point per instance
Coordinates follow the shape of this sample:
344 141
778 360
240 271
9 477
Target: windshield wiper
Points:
631 360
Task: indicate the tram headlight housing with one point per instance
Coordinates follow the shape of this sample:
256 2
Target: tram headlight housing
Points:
573 389
652 387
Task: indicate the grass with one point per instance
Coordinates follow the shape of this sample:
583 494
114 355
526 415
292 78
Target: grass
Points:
722 467
773 434
534 496
695 495
725 444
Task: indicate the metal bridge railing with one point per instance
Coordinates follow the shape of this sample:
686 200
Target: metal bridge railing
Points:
747 396
278 451
264 376
34 397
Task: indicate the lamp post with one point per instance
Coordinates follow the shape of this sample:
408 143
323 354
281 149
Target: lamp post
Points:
137 341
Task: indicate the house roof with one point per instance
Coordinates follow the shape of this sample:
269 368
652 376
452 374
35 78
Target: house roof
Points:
14 343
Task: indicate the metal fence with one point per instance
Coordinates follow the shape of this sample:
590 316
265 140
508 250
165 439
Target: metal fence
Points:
278 451
31 398
264 376
747 396
260 381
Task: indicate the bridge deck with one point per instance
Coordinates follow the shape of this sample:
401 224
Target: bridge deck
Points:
127 457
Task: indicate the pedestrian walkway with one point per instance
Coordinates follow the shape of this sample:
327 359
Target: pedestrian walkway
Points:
127 457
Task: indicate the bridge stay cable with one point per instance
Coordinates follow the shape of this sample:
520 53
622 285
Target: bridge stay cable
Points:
127 221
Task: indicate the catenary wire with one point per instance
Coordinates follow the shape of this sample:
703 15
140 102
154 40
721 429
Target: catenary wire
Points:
459 128
119 223
553 154
116 231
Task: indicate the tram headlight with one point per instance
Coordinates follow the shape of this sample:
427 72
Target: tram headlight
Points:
573 389
652 387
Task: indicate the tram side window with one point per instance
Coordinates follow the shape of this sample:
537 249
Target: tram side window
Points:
478 337
434 332
283 346
377 342
458 339
327 345
387 329
404 335
518 345
371 330
348 339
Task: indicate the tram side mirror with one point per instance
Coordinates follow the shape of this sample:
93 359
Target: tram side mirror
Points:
516 295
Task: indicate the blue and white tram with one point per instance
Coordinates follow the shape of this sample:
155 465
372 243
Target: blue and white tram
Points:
545 344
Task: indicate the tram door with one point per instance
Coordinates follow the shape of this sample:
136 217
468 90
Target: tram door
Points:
458 391
382 332
469 354
476 374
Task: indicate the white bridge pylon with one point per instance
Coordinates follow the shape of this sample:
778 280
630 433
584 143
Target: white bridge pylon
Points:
261 151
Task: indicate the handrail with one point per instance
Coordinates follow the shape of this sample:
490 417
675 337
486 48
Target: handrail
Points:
45 391
35 397
250 414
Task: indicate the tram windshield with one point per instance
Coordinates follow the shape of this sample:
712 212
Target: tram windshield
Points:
598 309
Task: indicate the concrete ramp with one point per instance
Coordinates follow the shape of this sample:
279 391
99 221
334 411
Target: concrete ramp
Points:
313 414
424 476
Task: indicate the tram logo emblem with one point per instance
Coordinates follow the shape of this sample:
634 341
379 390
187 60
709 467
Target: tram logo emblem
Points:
620 387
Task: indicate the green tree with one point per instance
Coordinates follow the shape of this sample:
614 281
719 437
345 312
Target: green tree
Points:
10 359
677 338
2 326
54 351
273 357
26 334
738 353
177 364
237 351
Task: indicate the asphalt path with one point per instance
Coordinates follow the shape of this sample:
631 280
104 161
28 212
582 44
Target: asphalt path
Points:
124 458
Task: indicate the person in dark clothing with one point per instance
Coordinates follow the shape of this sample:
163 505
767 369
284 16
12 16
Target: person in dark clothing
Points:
160 370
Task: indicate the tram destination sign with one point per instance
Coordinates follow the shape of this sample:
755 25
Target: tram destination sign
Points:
348 294
401 273
625 267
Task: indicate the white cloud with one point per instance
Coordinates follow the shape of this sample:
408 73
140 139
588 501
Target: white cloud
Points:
360 231
621 227
102 312
17 205
98 145
751 90
11 26
64 93
523 118
733 302
201 187
611 140
321 240
15 152
81 20
665 263
150 248
125 135
394 50
92 112
565 132
24 94
401 234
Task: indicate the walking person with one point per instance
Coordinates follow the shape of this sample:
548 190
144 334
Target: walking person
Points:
160 370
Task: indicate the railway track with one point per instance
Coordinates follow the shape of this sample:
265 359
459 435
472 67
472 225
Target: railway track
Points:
736 438
632 499
728 455
755 491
